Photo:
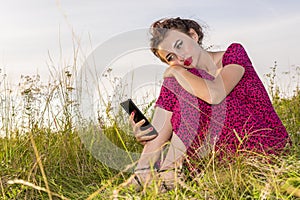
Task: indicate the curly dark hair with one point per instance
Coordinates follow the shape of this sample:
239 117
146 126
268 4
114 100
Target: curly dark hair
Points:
159 29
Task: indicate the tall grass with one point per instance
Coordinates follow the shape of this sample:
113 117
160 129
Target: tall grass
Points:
43 156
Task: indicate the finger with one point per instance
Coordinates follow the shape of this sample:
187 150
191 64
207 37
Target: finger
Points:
143 135
140 123
131 121
137 126
145 139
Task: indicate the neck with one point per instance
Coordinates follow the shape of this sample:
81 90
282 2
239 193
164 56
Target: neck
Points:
206 62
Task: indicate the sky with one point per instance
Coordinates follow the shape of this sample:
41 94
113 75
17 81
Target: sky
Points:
35 34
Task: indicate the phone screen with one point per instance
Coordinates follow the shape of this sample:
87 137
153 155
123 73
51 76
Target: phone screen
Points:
130 107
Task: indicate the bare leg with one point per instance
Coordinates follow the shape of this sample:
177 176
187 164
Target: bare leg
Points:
175 154
170 171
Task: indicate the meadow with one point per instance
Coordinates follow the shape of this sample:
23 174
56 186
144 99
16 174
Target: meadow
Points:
43 155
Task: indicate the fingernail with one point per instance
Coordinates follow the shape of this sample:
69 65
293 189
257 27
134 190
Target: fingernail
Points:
151 128
132 113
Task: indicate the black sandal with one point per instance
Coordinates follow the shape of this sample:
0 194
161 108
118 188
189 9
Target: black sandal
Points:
136 178
167 185
141 184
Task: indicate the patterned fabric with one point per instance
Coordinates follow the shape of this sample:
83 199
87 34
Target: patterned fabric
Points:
244 120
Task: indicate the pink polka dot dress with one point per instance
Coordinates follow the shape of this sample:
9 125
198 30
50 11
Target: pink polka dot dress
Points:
244 120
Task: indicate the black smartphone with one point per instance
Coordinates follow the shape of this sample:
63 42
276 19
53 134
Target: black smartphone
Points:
129 106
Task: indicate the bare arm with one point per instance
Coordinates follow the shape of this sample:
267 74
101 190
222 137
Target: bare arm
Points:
210 91
152 148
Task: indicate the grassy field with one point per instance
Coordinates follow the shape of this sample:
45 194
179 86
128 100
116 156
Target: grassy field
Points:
43 156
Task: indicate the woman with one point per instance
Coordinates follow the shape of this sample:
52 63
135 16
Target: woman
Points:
208 101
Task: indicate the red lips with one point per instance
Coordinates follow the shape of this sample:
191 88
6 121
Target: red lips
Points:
188 61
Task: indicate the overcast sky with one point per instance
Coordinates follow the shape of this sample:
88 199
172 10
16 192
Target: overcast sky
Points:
268 29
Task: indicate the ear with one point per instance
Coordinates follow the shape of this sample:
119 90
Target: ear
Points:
193 34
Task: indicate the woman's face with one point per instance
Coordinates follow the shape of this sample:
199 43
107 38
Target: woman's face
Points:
178 48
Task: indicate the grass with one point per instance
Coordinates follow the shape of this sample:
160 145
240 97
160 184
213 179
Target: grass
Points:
44 157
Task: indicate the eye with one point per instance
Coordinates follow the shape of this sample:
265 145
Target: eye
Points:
170 57
178 44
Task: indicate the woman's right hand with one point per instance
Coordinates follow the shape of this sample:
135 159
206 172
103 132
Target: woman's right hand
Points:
141 136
